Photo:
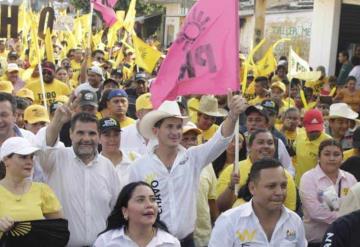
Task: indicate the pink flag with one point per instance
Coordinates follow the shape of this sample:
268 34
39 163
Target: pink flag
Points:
107 13
204 57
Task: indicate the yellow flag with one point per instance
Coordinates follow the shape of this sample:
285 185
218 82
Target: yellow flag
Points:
130 17
49 47
146 57
267 64
119 58
112 34
96 39
34 45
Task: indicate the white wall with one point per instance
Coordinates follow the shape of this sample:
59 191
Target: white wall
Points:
325 34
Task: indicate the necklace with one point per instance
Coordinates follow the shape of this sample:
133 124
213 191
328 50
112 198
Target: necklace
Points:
18 197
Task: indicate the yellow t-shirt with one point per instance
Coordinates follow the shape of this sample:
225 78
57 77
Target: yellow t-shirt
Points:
250 92
207 191
348 153
126 122
257 100
193 103
245 166
33 205
306 156
207 134
76 67
52 90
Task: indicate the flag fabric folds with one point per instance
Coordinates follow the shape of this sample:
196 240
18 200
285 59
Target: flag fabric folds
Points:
146 57
49 47
204 57
107 13
130 17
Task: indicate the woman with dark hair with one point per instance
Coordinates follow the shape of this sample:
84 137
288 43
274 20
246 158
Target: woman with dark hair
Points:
228 156
135 221
321 190
261 145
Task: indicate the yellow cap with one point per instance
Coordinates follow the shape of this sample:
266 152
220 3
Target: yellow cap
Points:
25 93
36 113
6 87
62 98
280 85
143 102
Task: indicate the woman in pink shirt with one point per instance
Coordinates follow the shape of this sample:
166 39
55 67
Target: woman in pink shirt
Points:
321 190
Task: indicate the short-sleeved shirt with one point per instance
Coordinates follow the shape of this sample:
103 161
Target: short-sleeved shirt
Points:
127 122
33 205
241 227
245 167
207 134
52 90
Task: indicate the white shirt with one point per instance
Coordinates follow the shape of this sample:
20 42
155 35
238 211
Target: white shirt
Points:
240 227
285 158
116 238
132 140
176 191
86 192
85 86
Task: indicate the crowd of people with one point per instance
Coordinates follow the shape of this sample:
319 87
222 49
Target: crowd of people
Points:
88 146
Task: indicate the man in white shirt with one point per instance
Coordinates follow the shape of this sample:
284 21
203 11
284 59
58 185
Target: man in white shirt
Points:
85 182
174 171
131 139
263 221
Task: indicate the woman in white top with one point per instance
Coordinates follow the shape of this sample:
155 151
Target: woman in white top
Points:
135 222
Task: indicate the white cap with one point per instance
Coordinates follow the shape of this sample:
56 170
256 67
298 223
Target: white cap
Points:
97 70
12 67
342 110
16 145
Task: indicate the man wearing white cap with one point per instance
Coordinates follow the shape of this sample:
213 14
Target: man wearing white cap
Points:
93 80
12 74
340 115
173 171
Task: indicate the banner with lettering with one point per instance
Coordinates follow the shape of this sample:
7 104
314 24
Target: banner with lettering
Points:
204 57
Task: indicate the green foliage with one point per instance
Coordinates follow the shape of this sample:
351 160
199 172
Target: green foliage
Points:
142 8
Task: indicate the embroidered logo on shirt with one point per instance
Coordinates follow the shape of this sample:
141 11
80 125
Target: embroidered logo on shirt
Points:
246 235
290 235
183 161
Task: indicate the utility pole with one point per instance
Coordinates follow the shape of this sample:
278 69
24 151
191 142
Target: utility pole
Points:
260 13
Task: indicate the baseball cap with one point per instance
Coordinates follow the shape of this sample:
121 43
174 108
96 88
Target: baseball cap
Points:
143 102
13 54
109 123
107 81
313 120
97 70
270 106
6 87
12 67
356 138
117 93
257 108
280 85
49 66
25 93
88 98
35 114
191 126
16 145
140 77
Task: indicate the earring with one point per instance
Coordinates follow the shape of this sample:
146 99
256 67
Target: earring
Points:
126 217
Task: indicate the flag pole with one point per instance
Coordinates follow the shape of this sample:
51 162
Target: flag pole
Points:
236 130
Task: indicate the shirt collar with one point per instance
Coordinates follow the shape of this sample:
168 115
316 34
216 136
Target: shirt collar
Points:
248 211
78 159
321 174
17 131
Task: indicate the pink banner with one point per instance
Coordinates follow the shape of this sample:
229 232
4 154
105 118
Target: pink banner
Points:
204 59
107 13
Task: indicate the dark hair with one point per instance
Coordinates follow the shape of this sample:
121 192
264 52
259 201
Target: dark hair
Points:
345 54
254 175
116 218
10 98
263 81
255 133
351 78
355 61
83 117
289 110
158 123
329 142
61 68
103 99
21 103
219 162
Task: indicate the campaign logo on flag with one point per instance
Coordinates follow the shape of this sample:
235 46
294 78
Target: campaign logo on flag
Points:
204 57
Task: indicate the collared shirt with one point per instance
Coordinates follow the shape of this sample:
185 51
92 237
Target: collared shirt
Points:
317 216
306 153
176 190
351 202
132 140
116 238
207 134
86 192
245 167
241 227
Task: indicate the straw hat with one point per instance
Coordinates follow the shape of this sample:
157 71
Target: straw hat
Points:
166 110
209 105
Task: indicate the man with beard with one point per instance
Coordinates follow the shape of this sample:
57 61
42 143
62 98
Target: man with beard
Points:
52 86
85 182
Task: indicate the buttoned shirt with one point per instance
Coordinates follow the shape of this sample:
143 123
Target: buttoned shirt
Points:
241 227
86 192
116 238
176 190
317 216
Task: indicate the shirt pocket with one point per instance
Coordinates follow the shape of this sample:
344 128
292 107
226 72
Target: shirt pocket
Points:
287 243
